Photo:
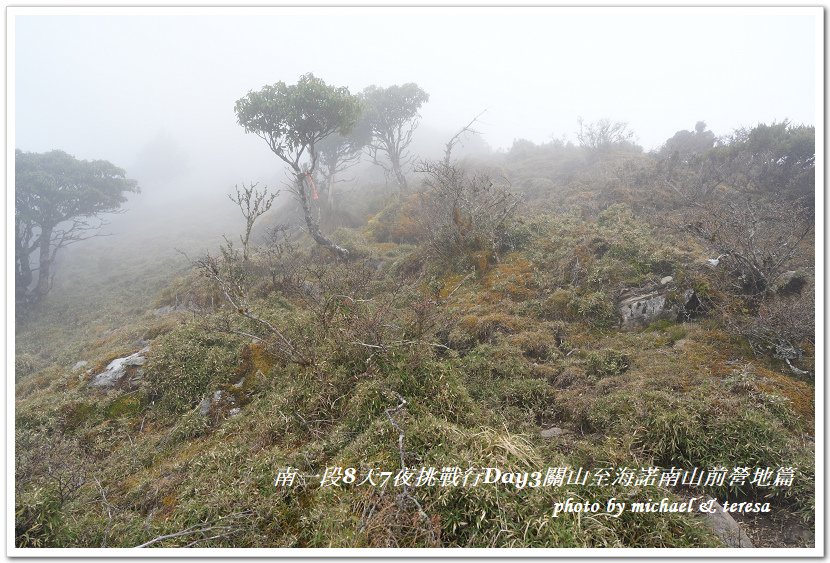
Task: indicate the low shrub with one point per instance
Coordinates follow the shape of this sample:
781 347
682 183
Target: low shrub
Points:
607 362
186 363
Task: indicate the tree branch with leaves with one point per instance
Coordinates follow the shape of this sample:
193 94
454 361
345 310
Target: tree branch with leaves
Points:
392 115
292 120
58 200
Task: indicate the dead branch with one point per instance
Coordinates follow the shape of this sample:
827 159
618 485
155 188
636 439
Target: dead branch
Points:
457 137
235 294
405 494
228 529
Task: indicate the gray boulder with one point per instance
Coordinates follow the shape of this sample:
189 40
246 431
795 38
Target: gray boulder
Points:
640 309
121 371
791 283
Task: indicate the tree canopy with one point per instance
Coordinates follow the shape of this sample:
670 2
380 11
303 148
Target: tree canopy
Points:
684 145
392 114
292 119
777 158
56 199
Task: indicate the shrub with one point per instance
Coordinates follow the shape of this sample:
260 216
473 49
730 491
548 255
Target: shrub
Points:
758 240
186 363
597 310
783 328
558 305
462 214
397 221
607 362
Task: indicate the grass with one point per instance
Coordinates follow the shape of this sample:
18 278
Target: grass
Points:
484 362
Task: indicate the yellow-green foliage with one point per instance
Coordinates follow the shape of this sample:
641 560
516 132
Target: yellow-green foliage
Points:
539 344
559 305
76 414
124 406
486 327
669 332
597 310
512 278
254 359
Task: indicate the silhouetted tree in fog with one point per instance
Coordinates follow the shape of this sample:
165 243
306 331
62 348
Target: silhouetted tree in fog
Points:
57 202
392 114
685 145
338 153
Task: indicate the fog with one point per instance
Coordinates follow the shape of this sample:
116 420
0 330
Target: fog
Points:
154 93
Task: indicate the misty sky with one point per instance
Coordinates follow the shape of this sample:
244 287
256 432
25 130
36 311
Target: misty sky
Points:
106 86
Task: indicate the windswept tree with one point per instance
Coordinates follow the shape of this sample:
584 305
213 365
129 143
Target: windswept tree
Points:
690 165
392 114
293 120
338 153
58 201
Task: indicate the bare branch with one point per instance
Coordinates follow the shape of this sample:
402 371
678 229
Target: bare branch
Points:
458 137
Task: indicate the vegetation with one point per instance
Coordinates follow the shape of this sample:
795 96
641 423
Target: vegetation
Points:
392 116
292 120
452 326
58 200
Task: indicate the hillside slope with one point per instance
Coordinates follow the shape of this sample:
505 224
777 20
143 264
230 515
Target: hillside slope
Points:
517 358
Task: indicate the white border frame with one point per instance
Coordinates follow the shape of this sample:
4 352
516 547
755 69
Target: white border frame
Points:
12 551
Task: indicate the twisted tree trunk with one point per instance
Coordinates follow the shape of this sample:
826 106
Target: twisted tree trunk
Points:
313 226
44 264
396 168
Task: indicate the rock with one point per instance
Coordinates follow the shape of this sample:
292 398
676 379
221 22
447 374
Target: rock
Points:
726 528
204 406
80 365
117 371
639 310
234 411
791 283
552 432
220 401
666 280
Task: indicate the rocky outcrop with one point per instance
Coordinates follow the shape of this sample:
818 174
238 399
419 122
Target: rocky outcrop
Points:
121 371
640 309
